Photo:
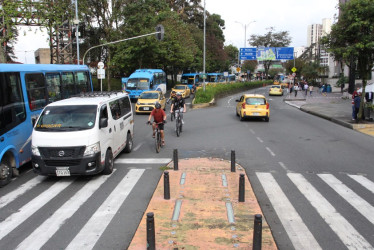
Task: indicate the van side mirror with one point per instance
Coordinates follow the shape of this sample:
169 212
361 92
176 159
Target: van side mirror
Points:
103 123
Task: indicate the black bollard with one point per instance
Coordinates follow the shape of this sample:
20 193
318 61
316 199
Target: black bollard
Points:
175 159
257 232
241 188
166 186
232 160
151 239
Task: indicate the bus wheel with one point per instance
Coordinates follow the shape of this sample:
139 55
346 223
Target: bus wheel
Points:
5 173
109 164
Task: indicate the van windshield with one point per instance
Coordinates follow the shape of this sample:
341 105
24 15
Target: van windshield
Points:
67 118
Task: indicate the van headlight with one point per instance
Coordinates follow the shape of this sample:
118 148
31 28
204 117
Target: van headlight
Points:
92 149
35 151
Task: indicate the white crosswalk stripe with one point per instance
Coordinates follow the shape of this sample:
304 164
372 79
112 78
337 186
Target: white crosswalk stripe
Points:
290 219
351 197
44 232
30 208
8 198
288 216
94 228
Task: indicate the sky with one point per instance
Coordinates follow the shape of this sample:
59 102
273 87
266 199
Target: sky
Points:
293 16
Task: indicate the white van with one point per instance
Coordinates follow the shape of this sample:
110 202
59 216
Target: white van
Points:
82 135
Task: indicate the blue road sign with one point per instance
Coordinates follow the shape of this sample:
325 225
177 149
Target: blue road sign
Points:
284 53
248 53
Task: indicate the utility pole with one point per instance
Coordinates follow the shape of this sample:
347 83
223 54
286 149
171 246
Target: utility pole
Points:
76 22
204 48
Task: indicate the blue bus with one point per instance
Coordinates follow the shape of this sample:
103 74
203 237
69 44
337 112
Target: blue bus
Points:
191 78
144 80
215 77
24 91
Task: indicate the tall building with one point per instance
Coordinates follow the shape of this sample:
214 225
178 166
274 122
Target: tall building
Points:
314 34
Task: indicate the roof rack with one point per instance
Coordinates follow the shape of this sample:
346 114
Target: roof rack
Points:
98 93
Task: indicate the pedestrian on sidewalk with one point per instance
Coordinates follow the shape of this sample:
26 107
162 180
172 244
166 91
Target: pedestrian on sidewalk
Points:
354 94
295 88
306 87
357 102
342 85
311 89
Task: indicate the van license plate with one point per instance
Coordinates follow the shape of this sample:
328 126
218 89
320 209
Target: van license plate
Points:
146 108
63 172
255 113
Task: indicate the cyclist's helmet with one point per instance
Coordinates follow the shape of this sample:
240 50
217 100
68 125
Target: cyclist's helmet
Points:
179 94
158 105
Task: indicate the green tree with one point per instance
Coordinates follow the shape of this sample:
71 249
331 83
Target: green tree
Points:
270 39
353 37
249 65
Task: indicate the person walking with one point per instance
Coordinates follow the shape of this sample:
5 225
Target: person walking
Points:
310 90
342 85
306 87
295 88
354 94
357 102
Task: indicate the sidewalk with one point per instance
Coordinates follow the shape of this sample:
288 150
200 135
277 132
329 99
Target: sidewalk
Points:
332 107
203 211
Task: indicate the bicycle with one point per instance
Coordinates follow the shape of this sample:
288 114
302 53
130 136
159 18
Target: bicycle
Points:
158 141
178 122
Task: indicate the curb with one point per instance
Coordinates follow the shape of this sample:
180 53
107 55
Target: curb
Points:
202 105
342 123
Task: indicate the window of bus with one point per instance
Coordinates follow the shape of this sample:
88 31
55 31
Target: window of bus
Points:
35 86
82 82
12 106
68 86
53 86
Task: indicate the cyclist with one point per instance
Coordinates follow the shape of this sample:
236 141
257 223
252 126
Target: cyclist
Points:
159 118
178 104
172 96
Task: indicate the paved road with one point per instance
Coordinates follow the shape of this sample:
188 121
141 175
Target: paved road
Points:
314 181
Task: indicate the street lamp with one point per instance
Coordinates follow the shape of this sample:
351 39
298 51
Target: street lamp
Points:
245 30
204 48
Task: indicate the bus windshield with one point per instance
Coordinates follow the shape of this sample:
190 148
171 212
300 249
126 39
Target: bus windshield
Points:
187 80
138 83
67 118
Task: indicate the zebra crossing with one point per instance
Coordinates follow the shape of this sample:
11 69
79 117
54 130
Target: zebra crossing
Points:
294 222
87 236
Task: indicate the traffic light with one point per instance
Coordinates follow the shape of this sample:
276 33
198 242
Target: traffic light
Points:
161 32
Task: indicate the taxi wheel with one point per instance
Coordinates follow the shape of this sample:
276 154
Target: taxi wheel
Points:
267 119
109 164
241 118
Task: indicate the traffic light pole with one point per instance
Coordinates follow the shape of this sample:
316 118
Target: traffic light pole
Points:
123 40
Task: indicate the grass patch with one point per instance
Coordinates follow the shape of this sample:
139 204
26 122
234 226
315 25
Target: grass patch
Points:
222 89
164 168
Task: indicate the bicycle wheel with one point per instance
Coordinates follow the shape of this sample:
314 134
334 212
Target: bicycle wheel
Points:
158 141
177 124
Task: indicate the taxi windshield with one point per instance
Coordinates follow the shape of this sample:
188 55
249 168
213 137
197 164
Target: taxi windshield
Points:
67 118
180 87
145 95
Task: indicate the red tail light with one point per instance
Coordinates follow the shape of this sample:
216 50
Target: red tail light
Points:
267 105
243 105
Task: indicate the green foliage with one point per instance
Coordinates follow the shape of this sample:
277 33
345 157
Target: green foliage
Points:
249 65
222 89
342 80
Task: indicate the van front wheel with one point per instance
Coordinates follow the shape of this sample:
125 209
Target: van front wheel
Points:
109 164
5 173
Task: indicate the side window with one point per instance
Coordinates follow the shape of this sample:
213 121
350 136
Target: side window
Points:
36 91
12 106
82 82
115 109
53 86
68 86
125 106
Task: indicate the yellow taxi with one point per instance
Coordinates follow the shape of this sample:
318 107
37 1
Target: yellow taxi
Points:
183 89
253 105
275 90
147 101
284 85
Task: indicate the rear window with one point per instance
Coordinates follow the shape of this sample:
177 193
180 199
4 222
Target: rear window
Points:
255 101
276 87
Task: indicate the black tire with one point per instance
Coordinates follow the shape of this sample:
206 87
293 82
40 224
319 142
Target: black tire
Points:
5 173
267 119
109 163
158 142
129 143
241 118
178 128
181 127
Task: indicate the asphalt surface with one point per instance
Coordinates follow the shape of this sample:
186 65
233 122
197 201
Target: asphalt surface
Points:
293 146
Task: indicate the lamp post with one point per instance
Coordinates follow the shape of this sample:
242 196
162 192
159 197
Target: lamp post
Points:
76 22
204 50
245 30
